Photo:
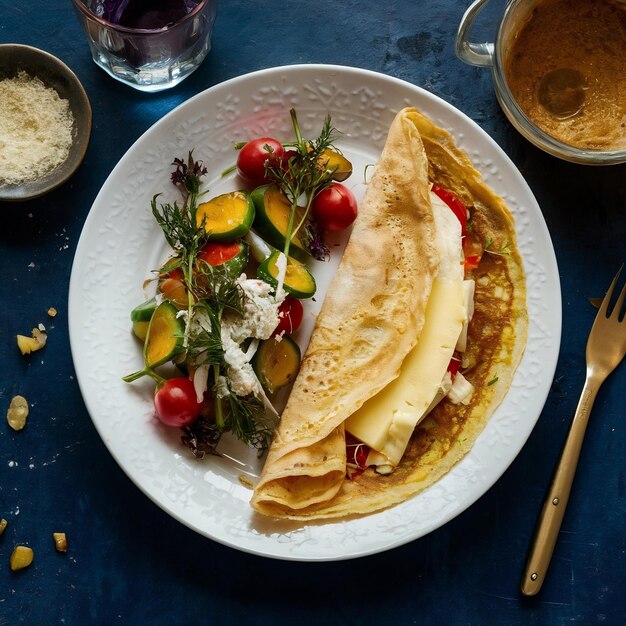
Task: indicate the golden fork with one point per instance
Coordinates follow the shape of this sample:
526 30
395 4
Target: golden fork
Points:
606 347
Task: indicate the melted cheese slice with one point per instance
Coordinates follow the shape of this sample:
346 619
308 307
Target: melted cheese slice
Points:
386 421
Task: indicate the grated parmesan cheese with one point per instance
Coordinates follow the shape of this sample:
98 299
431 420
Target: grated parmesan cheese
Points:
35 129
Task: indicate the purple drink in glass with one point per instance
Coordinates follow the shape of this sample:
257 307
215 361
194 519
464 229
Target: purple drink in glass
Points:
147 14
148 44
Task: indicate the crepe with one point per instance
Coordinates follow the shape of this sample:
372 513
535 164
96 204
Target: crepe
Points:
372 317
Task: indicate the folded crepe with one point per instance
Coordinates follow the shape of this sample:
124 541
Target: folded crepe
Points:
371 323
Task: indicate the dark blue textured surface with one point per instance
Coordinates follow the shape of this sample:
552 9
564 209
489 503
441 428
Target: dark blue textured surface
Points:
130 563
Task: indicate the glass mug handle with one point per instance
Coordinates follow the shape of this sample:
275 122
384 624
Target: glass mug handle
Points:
472 53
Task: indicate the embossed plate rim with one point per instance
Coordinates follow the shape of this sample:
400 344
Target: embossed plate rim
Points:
161 469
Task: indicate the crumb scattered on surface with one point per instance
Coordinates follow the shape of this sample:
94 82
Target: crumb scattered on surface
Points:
3 525
22 557
34 343
60 542
17 413
52 312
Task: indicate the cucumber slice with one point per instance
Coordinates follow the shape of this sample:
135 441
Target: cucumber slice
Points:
228 216
272 219
276 362
299 282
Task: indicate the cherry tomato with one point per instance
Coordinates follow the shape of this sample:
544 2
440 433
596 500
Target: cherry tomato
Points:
334 208
176 403
458 208
175 274
290 315
252 157
217 252
175 291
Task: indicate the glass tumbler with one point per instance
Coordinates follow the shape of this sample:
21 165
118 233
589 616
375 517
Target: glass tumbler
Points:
148 59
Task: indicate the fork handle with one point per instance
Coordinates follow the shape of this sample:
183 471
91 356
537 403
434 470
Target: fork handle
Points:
549 522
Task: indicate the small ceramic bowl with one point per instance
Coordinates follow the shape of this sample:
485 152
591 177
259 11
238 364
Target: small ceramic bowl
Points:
15 58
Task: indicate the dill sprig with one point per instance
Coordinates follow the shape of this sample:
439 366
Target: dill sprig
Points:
180 232
301 174
217 287
246 419
206 344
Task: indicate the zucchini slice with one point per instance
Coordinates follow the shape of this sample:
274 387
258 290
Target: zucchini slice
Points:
276 362
144 311
272 219
165 335
337 164
227 216
140 317
164 339
299 282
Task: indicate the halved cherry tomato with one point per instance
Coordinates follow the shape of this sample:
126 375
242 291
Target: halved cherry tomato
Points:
176 403
252 157
290 315
175 274
217 252
334 208
175 291
458 208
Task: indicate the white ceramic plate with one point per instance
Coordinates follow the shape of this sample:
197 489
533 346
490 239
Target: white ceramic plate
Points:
121 243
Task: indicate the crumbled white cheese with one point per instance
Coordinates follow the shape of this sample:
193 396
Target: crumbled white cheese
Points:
243 380
260 311
221 388
257 321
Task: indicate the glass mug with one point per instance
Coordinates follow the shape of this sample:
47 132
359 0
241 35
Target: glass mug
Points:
493 55
156 47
